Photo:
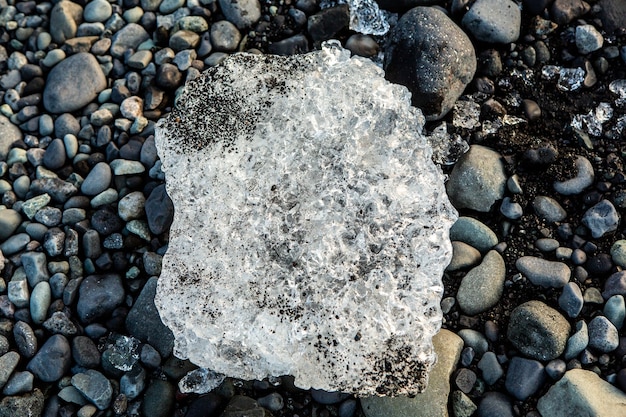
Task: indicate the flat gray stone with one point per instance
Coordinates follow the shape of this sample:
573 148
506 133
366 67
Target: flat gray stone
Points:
8 363
548 274
494 21
548 209
474 233
95 387
463 256
602 218
97 180
477 180
434 400
129 37
73 83
9 134
582 393
538 331
603 335
482 287
242 13
53 359
64 20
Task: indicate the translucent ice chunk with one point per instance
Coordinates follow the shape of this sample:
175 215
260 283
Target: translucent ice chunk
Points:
619 87
365 16
200 381
570 79
311 227
592 122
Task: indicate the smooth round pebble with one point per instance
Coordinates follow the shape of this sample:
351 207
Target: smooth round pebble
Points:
603 336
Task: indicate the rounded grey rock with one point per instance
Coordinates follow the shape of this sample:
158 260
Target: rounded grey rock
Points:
242 13
9 134
601 219
53 360
35 267
9 222
538 331
549 209
49 216
73 83
8 363
98 179
95 387
524 377
25 339
430 55
224 36
19 383
40 300
184 39
129 37
85 352
495 404
477 180
510 209
615 310
618 252
99 295
588 39
578 341
494 21
490 367
548 274
583 179
571 299
158 400
482 287
97 11
603 336
474 233
64 20
463 256
615 284
475 340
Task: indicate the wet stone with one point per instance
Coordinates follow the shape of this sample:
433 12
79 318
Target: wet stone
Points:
19 383
52 361
95 387
603 335
99 296
571 300
524 377
490 367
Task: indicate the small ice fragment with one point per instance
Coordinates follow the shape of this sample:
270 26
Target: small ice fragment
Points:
200 381
619 87
466 114
570 79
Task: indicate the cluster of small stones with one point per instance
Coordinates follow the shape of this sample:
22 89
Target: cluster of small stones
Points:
85 216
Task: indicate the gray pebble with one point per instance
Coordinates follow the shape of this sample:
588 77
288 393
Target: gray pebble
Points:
474 233
184 39
60 323
243 13
556 368
99 296
524 377
85 352
49 216
538 331
549 209
477 180
8 363
18 293
490 367
35 267
542 272
54 241
615 310
603 336
126 167
19 383
25 339
97 11
601 219
494 21
95 387
495 404
133 382
9 134
510 209
618 253
15 244
588 39
149 356
584 178
224 36
546 244
73 83
170 6
273 402
362 45
64 19
97 180
40 300
158 400
592 295
129 37
482 287
463 256
9 222
571 299
475 340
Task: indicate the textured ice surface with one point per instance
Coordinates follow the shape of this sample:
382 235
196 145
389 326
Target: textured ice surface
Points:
365 16
311 227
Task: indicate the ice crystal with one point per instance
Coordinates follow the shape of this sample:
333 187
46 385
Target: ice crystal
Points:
365 16
311 227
